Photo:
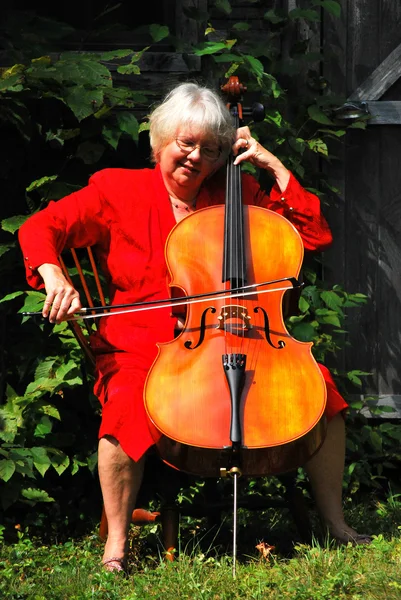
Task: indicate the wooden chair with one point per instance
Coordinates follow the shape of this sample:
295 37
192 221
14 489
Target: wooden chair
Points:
80 269
91 285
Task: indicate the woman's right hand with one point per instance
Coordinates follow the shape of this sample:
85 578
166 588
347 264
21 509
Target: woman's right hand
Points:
62 299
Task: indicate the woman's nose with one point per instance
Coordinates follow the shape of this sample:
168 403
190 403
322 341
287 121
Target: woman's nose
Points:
195 153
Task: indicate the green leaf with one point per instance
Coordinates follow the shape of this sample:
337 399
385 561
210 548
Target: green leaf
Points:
318 145
158 32
49 409
304 332
11 296
83 102
40 459
330 319
45 368
351 468
123 53
313 295
318 115
111 135
12 224
224 6
35 495
376 441
83 70
59 460
64 370
309 275
255 65
333 301
129 70
41 385
337 133
228 57
394 431
144 127
92 462
358 125
8 83
298 144
128 124
242 26
43 428
274 117
303 305
356 404
5 248
354 379
38 183
76 464
273 17
209 48
7 469
33 302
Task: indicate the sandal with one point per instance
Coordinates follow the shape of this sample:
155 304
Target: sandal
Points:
115 565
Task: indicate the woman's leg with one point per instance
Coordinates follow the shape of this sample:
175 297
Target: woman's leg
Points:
120 480
325 471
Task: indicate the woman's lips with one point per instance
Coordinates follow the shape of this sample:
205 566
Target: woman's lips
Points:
189 168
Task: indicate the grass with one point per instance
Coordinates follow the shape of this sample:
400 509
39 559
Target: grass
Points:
32 570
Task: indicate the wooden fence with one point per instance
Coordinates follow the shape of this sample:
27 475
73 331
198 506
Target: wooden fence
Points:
363 61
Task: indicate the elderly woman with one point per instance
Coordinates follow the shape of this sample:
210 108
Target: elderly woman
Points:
127 215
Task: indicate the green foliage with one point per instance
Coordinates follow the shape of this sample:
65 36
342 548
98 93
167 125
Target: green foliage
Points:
32 569
68 118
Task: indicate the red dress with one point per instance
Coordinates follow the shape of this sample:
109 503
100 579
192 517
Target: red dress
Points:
127 216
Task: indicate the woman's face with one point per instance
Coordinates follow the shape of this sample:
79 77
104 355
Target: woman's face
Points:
183 169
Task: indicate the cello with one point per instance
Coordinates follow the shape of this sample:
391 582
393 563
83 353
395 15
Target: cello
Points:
234 392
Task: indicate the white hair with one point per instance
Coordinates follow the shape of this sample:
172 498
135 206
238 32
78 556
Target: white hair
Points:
190 105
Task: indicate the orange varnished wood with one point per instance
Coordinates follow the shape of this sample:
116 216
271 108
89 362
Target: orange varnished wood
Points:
186 392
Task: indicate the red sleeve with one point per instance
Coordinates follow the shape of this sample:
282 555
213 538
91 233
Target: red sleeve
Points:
300 207
73 221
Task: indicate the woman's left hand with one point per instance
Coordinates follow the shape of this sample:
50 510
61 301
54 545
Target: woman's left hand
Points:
256 154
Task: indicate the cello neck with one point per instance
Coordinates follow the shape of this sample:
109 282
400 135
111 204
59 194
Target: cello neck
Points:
234 259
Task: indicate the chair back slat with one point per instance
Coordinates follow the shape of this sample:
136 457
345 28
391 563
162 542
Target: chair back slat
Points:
82 341
96 276
77 327
89 298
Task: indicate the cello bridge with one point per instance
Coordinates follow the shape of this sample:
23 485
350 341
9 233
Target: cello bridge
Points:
234 311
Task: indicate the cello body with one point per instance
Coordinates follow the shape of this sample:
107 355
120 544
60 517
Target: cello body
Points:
282 394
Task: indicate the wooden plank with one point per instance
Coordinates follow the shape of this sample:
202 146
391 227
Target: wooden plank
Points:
388 292
188 29
379 112
171 62
350 47
363 190
334 49
363 40
381 79
384 113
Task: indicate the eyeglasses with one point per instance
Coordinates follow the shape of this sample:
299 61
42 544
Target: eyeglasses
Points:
208 152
